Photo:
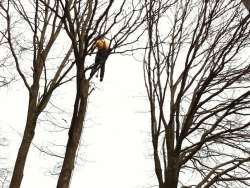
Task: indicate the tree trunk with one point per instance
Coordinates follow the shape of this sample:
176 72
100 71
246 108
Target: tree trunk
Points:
172 179
75 131
28 136
158 169
247 4
172 173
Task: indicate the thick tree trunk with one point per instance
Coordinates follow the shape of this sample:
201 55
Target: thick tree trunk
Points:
29 131
172 179
75 131
25 144
172 173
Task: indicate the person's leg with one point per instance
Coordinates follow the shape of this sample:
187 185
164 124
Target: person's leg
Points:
100 60
102 71
93 70
96 65
105 55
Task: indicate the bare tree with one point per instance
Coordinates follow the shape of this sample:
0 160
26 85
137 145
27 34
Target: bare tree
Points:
5 80
197 81
32 31
4 172
84 21
5 77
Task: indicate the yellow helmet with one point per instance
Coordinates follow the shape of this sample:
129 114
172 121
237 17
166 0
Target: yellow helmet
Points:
102 44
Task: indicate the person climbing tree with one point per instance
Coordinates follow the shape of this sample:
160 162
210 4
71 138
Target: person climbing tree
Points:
102 54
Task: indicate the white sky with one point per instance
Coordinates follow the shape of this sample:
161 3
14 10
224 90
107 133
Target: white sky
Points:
116 137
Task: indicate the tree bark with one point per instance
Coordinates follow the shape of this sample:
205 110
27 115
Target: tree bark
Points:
172 179
172 172
28 136
247 4
75 131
